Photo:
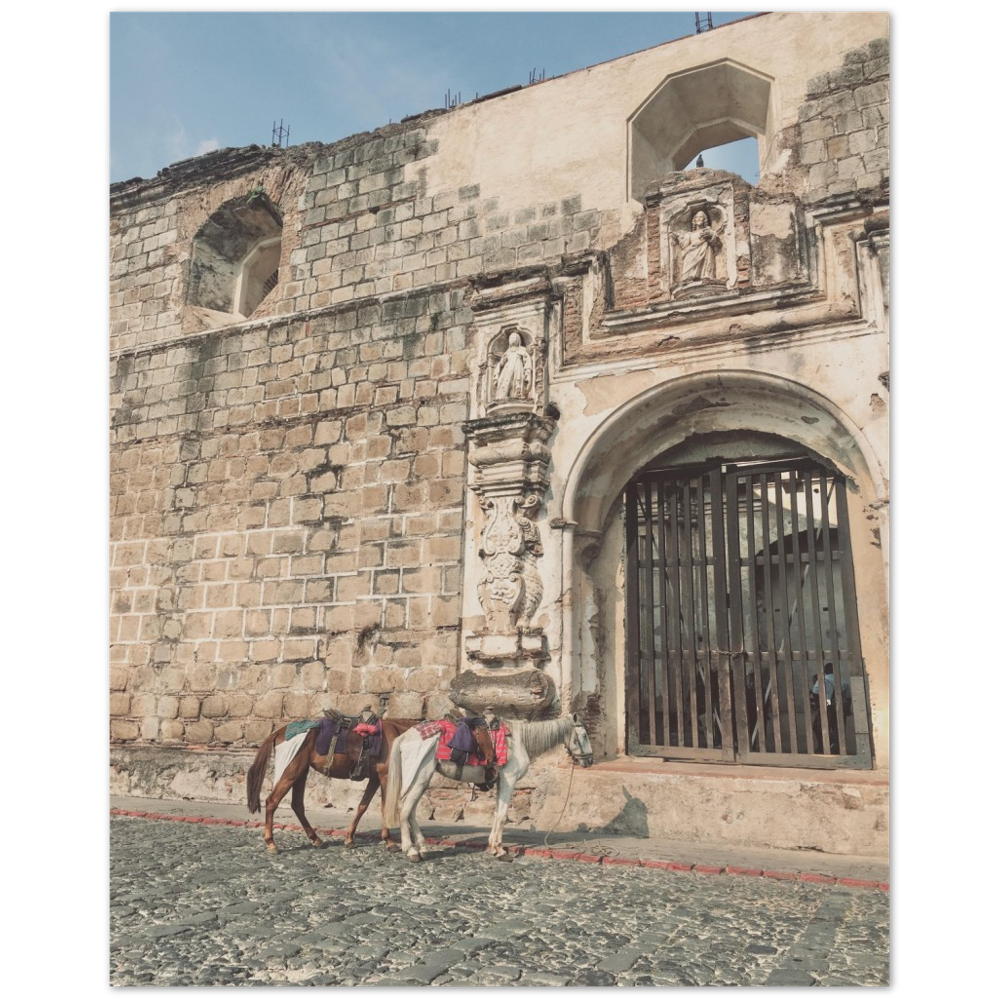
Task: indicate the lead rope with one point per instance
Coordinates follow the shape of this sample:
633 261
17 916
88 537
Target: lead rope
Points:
569 788
597 848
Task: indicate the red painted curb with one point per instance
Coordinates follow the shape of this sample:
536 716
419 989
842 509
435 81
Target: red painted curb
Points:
591 858
858 883
824 879
708 869
622 861
738 870
785 875
561 854
537 852
679 866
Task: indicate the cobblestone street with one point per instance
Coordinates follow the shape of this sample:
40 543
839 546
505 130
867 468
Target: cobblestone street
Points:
202 905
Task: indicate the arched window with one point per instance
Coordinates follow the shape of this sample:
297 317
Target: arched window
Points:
235 257
257 276
693 111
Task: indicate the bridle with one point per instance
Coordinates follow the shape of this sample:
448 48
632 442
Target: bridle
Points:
575 748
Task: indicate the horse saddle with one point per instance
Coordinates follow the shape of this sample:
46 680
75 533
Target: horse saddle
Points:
472 737
357 737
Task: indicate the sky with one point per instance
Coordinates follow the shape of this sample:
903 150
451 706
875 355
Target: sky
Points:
182 84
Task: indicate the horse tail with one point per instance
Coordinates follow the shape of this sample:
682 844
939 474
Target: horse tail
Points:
258 769
393 785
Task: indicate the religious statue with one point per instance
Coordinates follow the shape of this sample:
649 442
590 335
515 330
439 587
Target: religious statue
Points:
697 250
514 374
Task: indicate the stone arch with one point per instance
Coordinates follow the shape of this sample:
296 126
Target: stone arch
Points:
693 111
665 415
235 256
727 404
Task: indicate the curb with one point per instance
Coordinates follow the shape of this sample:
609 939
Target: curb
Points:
544 853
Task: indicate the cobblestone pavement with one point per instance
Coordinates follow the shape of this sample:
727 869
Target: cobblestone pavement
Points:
198 905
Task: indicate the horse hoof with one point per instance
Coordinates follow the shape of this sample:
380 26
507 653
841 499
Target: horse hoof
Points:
272 849
413 857
393 847
505 856
319 843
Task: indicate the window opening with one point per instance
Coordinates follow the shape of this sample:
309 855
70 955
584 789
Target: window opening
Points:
738 157
234 264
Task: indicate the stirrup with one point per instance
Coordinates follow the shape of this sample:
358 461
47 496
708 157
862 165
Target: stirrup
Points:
360 770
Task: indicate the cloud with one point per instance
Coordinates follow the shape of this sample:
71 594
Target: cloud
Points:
180 146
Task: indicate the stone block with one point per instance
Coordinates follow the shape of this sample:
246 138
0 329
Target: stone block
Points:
201 731
268 706
120 704
189 707
296 705
298 649
168 707
214 707
124 730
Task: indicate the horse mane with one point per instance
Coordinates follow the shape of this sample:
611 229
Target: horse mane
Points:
537 737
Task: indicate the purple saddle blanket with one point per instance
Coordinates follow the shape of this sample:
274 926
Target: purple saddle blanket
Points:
328 729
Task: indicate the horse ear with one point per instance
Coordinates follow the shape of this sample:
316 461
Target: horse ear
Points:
576 719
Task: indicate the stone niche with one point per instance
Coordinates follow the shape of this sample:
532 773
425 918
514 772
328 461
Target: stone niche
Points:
509 477
709 242
699 235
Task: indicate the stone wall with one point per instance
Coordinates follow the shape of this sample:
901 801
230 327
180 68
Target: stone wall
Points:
292 536
842 138
288 494
300 497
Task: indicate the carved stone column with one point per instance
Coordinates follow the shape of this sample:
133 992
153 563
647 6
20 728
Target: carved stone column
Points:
509 461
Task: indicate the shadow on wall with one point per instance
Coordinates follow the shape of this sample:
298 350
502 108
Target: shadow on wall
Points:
632 821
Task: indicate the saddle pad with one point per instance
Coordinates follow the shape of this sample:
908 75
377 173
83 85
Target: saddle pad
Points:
445 730
300 726
284 752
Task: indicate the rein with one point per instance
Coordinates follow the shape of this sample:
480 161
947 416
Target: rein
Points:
569 788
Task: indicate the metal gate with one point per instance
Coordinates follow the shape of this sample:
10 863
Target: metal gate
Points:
742 631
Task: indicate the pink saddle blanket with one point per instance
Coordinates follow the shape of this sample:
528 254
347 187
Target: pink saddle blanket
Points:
445 729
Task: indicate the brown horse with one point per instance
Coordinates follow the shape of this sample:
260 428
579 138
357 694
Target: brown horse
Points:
333 765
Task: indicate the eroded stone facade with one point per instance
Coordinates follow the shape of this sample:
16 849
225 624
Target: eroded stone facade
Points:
398 480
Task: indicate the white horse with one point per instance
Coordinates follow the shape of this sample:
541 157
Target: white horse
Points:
412 764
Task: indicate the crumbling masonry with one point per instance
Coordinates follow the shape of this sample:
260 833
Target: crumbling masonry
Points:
383 413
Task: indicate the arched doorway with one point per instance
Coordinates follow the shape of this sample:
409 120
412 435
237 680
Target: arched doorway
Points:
737 423
742 639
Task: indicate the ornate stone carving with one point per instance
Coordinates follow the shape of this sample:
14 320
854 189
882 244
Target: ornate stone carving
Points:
510 589
510 375
698 251
510 459
513 374
521 693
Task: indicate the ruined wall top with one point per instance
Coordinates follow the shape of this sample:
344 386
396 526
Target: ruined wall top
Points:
521 178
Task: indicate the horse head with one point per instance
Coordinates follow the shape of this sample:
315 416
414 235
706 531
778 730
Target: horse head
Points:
579 744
